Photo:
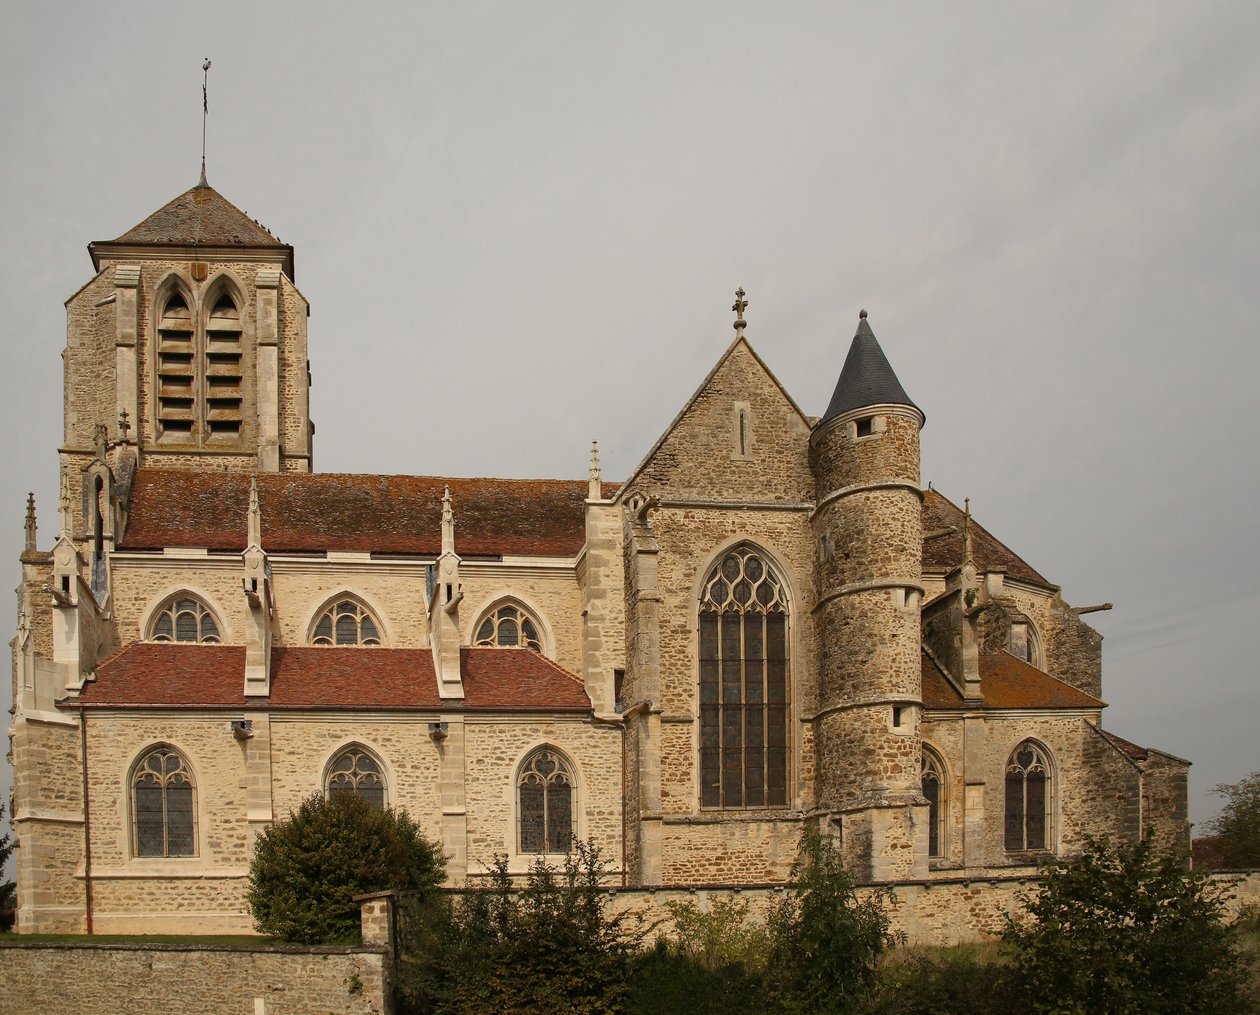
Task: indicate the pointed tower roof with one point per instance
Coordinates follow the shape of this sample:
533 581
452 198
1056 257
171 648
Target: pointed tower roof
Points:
867 377
199 217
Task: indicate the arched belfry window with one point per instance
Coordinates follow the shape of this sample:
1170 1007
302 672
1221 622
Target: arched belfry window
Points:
509 626
345 622
163 805
545 793
200 362
357 772
223 367
177 369
933 782
744 684
1029 798
185 618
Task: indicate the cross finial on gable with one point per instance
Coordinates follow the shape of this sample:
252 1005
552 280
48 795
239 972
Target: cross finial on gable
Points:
739 306
124 423
594 490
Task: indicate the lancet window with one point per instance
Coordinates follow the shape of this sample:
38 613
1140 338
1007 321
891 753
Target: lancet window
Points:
1028 798
745 685
163 805
545 793
933 783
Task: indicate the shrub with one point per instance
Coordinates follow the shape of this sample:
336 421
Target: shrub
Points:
308 868
827 943
1126 930
8 890
944 981
666 980
548 947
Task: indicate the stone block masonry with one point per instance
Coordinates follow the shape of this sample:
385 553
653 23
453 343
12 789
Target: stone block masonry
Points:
82 978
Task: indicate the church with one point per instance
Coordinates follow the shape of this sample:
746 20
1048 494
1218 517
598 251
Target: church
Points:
769 625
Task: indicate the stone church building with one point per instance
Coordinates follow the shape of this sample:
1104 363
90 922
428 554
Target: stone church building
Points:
769 624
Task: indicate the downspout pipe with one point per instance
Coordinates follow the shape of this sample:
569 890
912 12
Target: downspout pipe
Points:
87 821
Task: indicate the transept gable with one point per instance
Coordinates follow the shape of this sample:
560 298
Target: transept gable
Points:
740 437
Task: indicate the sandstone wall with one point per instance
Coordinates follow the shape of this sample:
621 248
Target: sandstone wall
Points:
84 978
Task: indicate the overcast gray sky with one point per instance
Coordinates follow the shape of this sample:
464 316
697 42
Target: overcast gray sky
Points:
520 225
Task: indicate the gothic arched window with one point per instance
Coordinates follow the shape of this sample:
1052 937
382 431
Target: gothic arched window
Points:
545 793
933 782
1028 798
509 626
355 771
163 805
744 684
346 622
184 617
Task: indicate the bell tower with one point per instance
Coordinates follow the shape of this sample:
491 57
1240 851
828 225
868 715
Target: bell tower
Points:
869 540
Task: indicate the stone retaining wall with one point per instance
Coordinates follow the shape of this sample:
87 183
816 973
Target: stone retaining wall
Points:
85 978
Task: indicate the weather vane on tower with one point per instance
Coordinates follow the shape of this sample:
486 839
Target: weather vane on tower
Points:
205 113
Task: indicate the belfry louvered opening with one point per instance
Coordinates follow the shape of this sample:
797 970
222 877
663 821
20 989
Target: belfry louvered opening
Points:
200 367
744 684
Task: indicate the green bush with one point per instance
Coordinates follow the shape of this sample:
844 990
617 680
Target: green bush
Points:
1237 827
8 890
944 981
666 980
1127 931
308 868
827 942
548 947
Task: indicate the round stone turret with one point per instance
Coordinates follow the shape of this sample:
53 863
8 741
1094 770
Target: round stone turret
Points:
869 542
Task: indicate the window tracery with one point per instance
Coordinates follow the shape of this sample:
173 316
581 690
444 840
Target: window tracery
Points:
932 780
1028 798
346 622
185 618
356 772
744 684
163 805
509 626
545 795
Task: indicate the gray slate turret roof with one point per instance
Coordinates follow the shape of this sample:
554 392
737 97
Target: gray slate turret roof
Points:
866 379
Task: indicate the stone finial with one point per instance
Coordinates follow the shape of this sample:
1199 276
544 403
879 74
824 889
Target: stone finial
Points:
124 424
100 437
30 522
594 490
255 515
448 522
739 306
967 551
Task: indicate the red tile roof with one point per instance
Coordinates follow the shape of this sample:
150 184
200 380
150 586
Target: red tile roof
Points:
1005 683
198 676
314 512
944 553
1126 747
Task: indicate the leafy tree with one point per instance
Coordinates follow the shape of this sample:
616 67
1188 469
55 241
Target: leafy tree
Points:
308 868
8 890
1127 931
1237 827
827 942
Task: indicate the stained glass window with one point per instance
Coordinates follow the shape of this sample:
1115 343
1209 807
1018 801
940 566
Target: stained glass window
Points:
933 782
745 687
185 618
508 627
545 789
355 771
1028 798
346 622
163 805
